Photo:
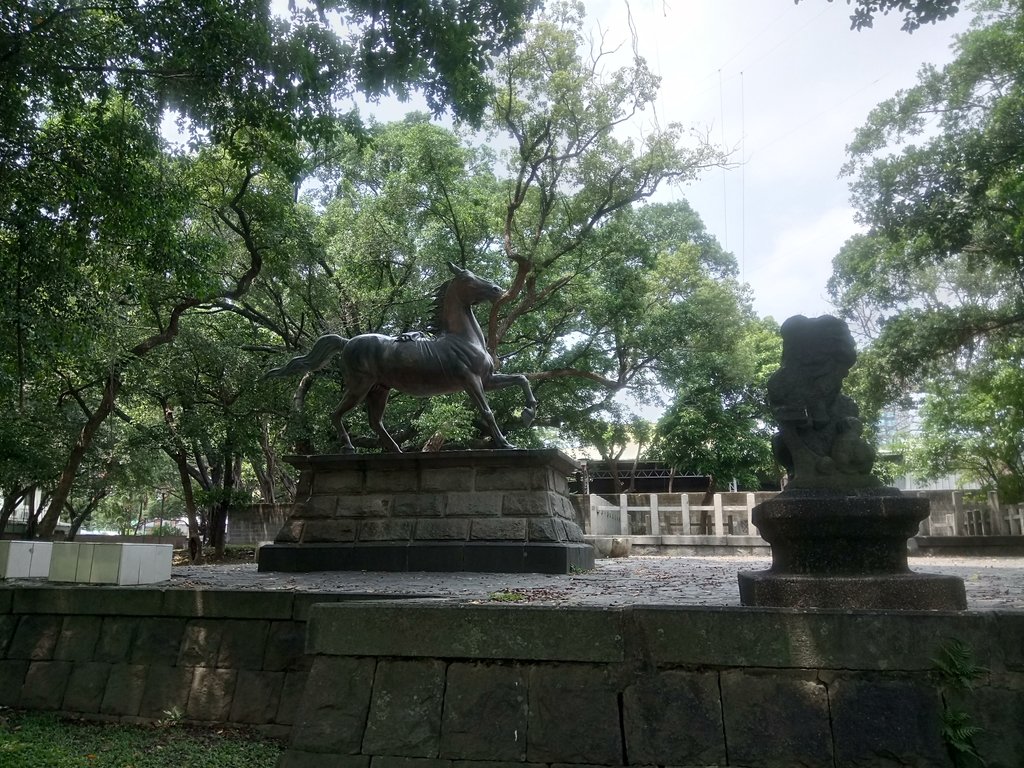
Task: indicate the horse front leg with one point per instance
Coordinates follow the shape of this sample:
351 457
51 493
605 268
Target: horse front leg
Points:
475 390
503 380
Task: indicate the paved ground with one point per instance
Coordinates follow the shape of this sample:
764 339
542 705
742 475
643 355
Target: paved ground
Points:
992 583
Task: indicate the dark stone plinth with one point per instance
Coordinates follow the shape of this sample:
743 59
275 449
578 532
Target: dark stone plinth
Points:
486 511
844 549
477 557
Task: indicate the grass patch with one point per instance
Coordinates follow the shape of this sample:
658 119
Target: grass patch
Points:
507 596
43 740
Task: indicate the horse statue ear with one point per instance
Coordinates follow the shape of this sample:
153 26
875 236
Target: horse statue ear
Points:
455 270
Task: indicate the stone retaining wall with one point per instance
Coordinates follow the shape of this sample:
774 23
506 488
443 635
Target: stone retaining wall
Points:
481 686
140 654
430 684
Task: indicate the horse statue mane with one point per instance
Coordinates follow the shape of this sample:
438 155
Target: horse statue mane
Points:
454 359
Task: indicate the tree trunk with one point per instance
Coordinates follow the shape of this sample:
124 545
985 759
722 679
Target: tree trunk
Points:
195 539
11 501
243 228
58 501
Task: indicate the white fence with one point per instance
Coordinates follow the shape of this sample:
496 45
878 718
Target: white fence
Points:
674 514
955 513
670 514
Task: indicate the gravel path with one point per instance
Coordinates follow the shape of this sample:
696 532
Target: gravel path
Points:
992 583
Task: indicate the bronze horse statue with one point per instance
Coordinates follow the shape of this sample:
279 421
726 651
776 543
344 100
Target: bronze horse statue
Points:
454 360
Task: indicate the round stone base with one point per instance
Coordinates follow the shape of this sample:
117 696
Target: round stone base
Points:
899 591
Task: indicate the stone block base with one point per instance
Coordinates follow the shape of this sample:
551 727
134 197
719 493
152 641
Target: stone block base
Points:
479 557
902 591
488 511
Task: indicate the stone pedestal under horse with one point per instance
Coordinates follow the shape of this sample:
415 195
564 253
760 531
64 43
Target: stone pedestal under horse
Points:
454 360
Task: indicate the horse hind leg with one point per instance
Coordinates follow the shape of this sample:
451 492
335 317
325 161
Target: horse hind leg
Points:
349 400
376 402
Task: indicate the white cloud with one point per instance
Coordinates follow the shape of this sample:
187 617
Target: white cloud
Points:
791 279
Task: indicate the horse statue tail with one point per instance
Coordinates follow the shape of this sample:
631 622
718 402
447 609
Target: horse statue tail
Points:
323 350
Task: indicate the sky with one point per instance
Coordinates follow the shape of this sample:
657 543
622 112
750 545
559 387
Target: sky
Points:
784 86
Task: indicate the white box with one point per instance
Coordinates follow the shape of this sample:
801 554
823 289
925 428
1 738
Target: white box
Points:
25 559
114 563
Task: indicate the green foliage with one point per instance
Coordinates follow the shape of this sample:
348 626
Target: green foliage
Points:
958 671
447 416
916 13
719 423
935 282
46 741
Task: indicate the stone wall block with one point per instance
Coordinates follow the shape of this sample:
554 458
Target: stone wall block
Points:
447 479
115 641
292 696
565 509
158 641
419 504
572 531
475 504
243 644
1009 631
338 482
365 506
485 711
391 481
776 719
78 638
442 530
319 507
285 646
85 688
405 712
389 761
294 758
512 479
333 706
12 675
502 529
574 715
886 722
123 694
674 718
519 504
559 483
45 684
290 533
166 691
8 624
35 638
991 708
211 694
545 530
385 530
200 643
257 697
325 531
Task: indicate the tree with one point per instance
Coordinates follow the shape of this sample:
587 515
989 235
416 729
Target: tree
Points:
937 282
972 423
108 239
559 224
915 12
719 424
